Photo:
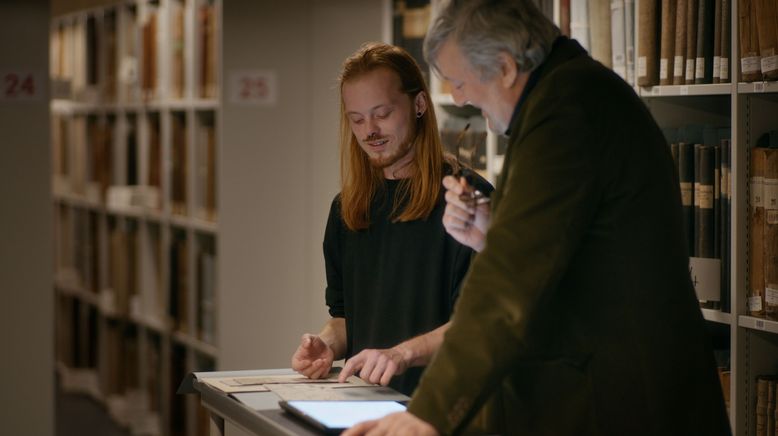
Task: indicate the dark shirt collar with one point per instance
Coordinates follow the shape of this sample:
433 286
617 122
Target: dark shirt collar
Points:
561 49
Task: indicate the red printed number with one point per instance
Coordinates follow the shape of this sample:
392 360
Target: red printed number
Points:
16 86
253 88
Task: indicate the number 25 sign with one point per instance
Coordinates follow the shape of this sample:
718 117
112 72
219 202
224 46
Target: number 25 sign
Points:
20 86
253 87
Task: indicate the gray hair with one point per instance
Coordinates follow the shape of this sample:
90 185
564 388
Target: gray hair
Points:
484 28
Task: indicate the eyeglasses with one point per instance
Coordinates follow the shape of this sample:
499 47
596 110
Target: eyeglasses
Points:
472 197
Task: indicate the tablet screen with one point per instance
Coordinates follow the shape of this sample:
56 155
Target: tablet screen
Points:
342 414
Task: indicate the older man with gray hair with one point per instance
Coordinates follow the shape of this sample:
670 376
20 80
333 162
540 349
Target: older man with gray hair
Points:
578 315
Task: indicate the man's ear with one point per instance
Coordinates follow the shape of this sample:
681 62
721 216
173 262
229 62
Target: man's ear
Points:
509 69
420 103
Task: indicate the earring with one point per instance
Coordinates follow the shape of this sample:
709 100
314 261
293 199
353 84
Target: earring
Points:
419 114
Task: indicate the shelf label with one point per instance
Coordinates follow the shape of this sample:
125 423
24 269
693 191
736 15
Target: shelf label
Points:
21 85
759 324
253 87
759 87
755 303
685 90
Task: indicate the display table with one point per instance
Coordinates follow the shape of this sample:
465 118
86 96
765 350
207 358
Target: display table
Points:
258 412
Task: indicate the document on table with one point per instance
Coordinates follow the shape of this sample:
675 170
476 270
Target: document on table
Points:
261 383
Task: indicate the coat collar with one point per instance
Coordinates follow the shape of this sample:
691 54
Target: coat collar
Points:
562 50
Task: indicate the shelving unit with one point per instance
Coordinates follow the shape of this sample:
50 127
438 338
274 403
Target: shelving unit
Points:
135 149
748 110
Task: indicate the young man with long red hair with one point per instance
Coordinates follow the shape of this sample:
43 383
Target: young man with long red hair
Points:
393 273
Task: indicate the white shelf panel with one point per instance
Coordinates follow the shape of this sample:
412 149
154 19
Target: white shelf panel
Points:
80 381
761 324
77 200
66 107
717 316
757 88
69 284
679 90
204 226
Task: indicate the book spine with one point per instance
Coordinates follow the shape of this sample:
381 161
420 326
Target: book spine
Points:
725 42
648 49
686 177
717 202
618 39
750 62
629 34
599 31
691 40
770 202
680 43
768 39
717 42
704 200
667 49
725 220
579 22
704 64
756 301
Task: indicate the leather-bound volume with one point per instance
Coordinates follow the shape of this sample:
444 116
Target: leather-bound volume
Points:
750 62
691 40
717 42
703 71
703 201
648 47
767 28
149 60
770 202
756 262
618 39
564 17
726 52
679 62
686 177
725 223
600 31
666 45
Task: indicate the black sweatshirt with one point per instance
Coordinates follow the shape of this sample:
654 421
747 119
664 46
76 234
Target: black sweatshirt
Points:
392 281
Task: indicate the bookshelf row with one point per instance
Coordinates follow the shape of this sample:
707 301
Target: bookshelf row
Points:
137 51
135 108
120 161
162 277
132 370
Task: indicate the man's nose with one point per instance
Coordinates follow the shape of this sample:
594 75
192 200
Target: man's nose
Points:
459 97
372 127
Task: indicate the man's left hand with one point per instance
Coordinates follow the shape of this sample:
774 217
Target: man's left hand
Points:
402 423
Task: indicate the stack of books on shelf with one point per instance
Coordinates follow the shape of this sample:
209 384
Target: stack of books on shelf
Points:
703 156
683 42
763 226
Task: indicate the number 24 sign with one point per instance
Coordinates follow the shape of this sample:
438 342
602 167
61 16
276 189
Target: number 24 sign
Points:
20 86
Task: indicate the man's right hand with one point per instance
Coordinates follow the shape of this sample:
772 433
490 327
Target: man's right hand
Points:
313 357
467 223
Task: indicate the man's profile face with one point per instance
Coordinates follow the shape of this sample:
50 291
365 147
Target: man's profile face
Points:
380 116
467 87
